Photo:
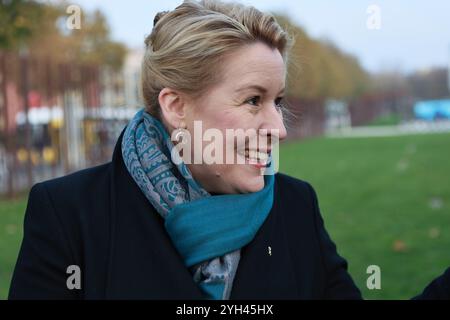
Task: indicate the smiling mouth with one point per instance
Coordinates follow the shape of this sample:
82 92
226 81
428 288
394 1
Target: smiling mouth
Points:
254 157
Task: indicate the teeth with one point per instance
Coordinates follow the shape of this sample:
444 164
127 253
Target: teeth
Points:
255 156
263 155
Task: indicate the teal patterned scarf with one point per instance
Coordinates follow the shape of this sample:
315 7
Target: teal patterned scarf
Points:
208 231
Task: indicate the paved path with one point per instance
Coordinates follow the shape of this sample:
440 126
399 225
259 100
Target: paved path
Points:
414 127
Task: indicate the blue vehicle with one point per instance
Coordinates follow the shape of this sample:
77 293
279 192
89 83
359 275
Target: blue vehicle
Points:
432 110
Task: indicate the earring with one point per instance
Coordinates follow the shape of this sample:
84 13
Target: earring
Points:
180 132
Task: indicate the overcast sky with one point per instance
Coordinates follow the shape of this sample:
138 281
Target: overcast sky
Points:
414 34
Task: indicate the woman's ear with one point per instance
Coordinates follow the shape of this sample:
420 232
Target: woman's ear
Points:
173 107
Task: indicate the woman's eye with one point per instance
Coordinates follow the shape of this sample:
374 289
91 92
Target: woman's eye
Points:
279 102
254 101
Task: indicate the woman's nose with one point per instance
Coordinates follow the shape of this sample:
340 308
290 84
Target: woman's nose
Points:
274 123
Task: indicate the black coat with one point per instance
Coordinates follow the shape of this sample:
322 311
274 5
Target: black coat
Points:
99 219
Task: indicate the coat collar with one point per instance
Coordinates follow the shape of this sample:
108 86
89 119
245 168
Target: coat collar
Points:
144 264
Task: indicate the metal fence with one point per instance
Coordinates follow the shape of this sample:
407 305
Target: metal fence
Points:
52 121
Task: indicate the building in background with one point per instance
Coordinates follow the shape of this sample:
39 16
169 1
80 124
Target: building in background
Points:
132 78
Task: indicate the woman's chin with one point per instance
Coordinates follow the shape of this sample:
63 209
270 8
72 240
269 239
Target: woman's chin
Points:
248 182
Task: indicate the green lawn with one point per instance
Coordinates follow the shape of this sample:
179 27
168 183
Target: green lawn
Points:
386 120
11 221
385 201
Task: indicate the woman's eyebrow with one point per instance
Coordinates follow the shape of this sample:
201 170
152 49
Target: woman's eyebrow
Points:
257 87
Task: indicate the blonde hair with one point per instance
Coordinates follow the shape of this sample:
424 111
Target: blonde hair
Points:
187 45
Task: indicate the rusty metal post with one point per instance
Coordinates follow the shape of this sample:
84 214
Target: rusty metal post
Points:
9 140
25 90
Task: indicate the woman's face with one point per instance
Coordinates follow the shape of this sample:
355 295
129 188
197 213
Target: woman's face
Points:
247 98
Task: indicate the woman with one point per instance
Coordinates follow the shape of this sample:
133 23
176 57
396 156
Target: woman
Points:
149 226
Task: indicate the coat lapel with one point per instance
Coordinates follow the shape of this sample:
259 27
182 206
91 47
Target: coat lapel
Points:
266 270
